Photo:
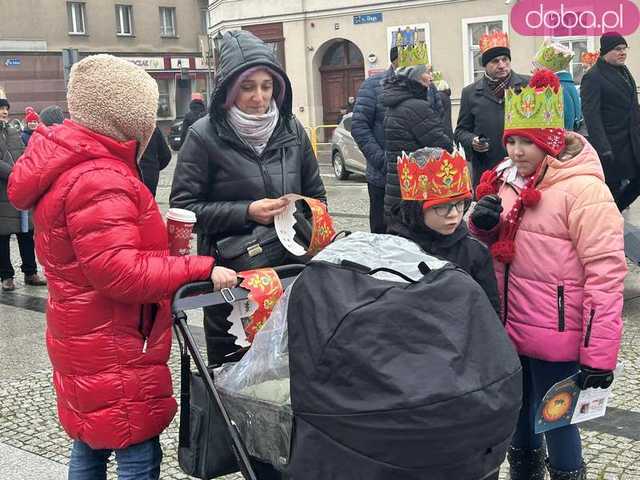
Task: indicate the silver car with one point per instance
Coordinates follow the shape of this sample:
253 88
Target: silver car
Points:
346 157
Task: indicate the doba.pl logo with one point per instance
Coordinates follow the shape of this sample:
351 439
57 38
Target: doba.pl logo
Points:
574 17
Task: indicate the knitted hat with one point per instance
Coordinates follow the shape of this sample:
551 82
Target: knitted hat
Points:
537 113
393 54
113 97
197 96
31 115
609 41
52 115
414 72
4 103
279 86
493 45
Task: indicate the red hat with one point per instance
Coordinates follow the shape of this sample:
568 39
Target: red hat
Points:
551 137
31 115
197 96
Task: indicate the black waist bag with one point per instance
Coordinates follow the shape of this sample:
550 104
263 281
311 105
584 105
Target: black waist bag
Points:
258 249
204 447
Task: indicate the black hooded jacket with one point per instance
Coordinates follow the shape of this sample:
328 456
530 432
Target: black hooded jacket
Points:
196 111
459 248
409 124
218 174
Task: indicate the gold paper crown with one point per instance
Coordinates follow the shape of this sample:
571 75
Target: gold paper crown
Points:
493 40
588 59
434 176
413 55
533 108
554 56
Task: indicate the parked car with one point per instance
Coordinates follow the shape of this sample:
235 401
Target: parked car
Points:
346 157
174 134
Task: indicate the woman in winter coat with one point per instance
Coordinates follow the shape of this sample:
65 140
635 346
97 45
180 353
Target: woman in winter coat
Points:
103 243
410 123
559 258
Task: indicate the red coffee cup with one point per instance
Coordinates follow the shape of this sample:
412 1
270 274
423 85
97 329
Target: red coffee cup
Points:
179 228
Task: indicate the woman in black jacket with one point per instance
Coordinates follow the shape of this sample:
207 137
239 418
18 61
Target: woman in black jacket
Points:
410 123
230 167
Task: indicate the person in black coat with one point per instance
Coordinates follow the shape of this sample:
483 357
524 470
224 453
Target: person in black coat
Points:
154 159
367 129
481 117
612 116
409 124
196 111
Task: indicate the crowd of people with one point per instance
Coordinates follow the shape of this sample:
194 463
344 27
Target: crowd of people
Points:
544 240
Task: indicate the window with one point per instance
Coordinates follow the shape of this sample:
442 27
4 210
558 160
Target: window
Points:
472 30
578 45
167 22
164 101
76 18
204 20
124 19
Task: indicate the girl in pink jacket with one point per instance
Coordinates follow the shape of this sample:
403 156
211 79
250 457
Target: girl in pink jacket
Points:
557 241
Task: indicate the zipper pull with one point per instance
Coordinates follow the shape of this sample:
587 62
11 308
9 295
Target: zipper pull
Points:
144 345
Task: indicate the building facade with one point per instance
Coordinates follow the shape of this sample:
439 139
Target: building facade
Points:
40 41
328 48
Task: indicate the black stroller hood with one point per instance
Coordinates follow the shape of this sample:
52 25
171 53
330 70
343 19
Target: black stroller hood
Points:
397 380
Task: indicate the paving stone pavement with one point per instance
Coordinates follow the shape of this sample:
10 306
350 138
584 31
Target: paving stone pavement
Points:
28 420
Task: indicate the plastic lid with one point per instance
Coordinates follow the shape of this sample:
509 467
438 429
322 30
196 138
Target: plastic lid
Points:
181 215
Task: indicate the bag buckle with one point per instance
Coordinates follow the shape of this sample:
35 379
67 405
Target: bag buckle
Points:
253 250
228 295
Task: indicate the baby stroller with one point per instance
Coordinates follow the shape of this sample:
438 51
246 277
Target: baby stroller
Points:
398 366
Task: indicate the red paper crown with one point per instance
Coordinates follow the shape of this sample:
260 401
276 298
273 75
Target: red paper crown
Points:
265 289
443 177
493 40
588 59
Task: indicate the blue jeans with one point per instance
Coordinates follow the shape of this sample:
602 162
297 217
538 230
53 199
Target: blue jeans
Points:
563 444
136 462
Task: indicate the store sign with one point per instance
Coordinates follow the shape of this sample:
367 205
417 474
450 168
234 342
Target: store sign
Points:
148 63
179 63
201 64
367 18
12 62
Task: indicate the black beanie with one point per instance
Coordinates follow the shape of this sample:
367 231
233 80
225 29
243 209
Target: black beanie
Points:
609 41
4 103
493 53
393 54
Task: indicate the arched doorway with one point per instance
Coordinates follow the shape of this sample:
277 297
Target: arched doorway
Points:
341 72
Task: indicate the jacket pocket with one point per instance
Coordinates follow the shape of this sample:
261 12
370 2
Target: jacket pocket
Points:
560 299
587 335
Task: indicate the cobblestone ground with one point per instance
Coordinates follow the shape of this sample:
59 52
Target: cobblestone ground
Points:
27 406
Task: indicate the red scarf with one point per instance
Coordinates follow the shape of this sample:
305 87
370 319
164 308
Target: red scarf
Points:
504 249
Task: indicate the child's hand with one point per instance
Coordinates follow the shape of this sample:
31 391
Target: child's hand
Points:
486 214
222 277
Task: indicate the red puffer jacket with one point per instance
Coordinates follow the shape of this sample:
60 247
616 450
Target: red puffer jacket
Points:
103 244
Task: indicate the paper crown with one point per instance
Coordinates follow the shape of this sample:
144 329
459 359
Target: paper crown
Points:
554 56
265 289
533 107
588 59
413 55
434 176
322 230
493 40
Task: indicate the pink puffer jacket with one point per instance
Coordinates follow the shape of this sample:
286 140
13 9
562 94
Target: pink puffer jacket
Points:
562 295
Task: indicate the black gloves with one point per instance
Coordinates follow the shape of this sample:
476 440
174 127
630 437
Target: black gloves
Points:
592 377
486 213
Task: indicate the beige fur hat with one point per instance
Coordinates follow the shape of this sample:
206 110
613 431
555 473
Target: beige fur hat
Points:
113 97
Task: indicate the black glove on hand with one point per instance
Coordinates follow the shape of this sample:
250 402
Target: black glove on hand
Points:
486 213
594 378
304 224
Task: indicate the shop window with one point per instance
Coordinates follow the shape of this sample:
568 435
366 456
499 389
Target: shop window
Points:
124 20
76 18
164 101
168 22
473 29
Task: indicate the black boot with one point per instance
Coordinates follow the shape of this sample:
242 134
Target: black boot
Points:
580 474
526 464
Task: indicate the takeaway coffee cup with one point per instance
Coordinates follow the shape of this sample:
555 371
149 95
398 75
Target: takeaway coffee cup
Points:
179 227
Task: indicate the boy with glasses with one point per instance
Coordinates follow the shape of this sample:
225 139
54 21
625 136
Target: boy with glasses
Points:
436 193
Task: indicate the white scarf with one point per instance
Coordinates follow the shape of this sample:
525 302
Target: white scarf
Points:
256 130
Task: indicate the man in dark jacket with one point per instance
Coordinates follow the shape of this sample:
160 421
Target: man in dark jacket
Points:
154 159
481 117
13 221
367 129
612 114
409 124
197 110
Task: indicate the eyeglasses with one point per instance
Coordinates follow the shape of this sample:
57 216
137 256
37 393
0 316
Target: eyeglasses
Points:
445 209
621 49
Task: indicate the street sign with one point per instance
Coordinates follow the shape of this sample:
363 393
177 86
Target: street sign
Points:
367 18
12 62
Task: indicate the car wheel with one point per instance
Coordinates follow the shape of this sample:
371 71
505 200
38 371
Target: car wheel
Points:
339 170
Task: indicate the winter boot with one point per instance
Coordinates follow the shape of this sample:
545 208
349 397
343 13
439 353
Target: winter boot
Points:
526 464
580 474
